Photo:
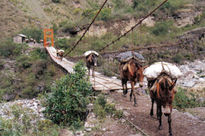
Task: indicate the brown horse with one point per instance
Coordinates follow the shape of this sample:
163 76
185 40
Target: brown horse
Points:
162 91
91 63
131 71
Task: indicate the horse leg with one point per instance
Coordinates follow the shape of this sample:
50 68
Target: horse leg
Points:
93 71
170 124
159 115
88 71
151 111
124 85
132 93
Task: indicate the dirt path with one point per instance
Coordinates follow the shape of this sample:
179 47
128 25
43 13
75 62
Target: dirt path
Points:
182 124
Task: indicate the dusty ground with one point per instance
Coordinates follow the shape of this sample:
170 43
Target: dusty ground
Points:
183 124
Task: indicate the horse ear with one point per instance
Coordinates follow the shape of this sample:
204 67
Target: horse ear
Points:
173 85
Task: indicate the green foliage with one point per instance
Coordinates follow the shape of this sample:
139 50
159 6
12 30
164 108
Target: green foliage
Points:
8 48
62 44
39 53
67 104
102 108
35 33
24 62
105 14
178 58
21 124
183 100
119 4
161 28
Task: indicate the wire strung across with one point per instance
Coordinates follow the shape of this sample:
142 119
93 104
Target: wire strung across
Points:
75 45
123 35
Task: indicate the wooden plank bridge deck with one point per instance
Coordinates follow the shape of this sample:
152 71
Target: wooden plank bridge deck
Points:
100 82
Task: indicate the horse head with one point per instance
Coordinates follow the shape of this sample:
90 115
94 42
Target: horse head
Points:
92 59
166 92
136 71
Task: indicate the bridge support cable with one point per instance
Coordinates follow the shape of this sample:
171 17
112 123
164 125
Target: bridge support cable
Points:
132 28
74 46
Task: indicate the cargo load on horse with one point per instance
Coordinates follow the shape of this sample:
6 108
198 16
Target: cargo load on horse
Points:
87 53
154 70
126 56
131 69
162 78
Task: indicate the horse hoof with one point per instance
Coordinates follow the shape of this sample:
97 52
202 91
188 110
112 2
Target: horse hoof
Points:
135 105
151 114
170 134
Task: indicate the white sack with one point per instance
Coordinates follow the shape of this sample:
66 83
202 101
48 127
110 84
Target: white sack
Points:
89 52
154 70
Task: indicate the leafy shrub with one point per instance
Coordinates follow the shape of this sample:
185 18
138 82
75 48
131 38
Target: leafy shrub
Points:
90 13
161 28
39 53
24 62
8 48
34 33
178 58
105 14
183 100
102 108
62 44
67 104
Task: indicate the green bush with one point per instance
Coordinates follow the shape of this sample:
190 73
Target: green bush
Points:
67 103
105 14
8 48
178 58
161 28
62 44
39 53
102 108
24 62
183 100
34 33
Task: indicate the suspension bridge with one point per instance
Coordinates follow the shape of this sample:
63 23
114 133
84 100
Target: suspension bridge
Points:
99 81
